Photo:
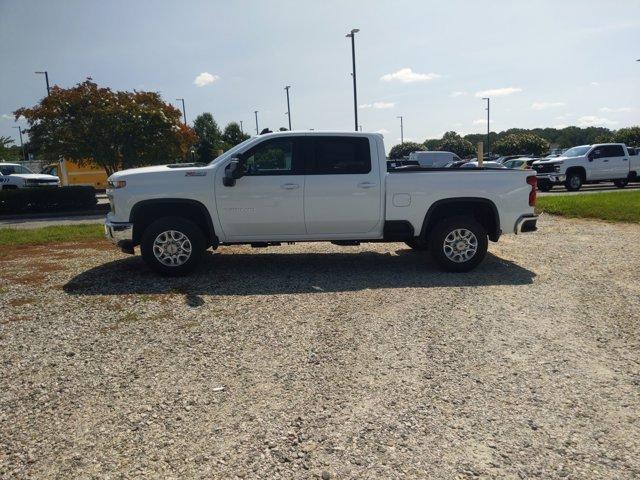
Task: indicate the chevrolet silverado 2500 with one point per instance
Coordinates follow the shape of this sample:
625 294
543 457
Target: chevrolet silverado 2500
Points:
314 186
588 164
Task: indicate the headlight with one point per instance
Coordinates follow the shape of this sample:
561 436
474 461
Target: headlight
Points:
117 184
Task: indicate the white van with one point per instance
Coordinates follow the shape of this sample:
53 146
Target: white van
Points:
433 159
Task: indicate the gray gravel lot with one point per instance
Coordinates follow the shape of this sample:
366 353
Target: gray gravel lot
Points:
319 361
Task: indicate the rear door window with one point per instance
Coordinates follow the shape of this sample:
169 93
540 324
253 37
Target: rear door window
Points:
340 156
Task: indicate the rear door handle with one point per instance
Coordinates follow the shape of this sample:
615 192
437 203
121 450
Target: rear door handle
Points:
289 186
625 159
606 160
366 185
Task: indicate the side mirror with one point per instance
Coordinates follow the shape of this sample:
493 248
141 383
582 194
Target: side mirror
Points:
234 170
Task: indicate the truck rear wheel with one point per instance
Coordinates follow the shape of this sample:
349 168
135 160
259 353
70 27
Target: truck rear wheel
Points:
544 185
172 246
621 182
458 244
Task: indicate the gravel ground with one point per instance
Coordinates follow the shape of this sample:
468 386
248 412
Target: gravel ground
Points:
319 361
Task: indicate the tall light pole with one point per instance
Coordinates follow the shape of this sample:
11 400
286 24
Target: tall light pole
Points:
401 128
184 113
288 106
241 129
46 77
256 114
24 154
488 128
352 35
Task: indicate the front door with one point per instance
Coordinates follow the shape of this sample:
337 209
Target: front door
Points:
268 201
342 189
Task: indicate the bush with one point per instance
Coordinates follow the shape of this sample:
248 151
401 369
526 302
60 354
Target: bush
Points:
47 199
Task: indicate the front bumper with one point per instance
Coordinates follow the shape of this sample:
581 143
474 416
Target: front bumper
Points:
526 223
551 177
120 234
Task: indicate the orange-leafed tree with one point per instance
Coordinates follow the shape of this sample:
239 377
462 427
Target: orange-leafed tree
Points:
112 129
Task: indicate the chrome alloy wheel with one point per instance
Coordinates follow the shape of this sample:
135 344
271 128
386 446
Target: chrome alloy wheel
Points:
460 245
172 248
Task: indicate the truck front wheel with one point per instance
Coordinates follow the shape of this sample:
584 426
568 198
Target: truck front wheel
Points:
458 244
621 182
172 246
573 182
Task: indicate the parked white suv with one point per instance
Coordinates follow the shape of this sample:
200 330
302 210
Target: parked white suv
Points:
314 186
14 175
588 164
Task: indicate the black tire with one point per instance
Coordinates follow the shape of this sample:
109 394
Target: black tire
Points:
183 227
441 236
621 183
418 243
544 186
573 183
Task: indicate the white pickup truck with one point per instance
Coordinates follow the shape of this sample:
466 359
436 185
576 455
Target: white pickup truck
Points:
14 175
314 186
588 164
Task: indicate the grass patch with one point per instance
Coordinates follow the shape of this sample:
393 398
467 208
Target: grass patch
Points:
610 206
54 234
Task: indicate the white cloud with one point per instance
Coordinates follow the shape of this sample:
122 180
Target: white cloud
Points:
560 126
480 121
498 92
593 121
378 105
616 110
594 84
458 94
205 78
6 116
382 131
545 105
406 75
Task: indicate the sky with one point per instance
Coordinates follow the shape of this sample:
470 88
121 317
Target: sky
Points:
543 63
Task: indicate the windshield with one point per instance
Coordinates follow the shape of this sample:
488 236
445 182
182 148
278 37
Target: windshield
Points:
576 151
232 151
11 169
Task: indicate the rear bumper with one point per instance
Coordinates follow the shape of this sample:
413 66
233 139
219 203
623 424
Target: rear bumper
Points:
120 234
551 177
526 223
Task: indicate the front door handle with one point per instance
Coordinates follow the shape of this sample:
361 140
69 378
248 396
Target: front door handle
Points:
366 185
289 186
606 160
625 159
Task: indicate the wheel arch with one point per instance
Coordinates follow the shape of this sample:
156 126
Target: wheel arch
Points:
482 209
146 212
578 169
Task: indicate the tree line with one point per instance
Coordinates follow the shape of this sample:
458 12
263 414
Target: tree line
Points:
535 141
116 130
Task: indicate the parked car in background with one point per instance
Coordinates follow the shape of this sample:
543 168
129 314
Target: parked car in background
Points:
588 164
520 163
314 186
473 163
434 159
70 173
14 175
506 158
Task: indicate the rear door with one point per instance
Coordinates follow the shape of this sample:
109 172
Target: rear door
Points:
267 202
618 161
343 186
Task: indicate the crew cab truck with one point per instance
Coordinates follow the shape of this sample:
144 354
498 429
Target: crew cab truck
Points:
314 186
14 175
588 164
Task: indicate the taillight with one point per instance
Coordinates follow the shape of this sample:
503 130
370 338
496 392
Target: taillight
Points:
533 181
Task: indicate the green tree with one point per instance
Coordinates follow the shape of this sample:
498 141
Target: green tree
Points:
6 150
113 129
432 144
398 152
521 143
630 136
232 135
452 142
210 139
